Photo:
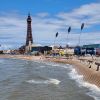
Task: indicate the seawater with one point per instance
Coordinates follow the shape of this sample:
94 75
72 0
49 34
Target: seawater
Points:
33 80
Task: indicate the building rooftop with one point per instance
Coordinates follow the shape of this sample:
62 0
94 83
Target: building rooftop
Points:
92 46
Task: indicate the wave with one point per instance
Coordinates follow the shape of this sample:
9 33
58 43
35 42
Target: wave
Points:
49 81
56 64
42 66
48 63
94 90
51 64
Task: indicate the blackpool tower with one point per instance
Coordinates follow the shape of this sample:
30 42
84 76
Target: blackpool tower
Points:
29 38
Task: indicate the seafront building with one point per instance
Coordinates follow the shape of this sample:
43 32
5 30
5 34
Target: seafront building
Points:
96 47
92 46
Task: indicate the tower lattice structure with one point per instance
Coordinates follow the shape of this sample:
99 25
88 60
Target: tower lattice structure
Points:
29 37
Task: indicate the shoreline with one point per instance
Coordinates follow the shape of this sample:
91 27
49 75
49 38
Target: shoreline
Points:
23 57
90 74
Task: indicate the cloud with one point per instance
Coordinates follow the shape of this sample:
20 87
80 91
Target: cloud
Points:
89 14
13 27
43 14
12 30
85 38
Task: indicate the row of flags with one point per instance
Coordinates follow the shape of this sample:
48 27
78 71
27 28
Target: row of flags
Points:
69 29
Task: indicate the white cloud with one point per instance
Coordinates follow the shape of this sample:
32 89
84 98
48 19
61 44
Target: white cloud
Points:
13 27
89 14
43 14
85 38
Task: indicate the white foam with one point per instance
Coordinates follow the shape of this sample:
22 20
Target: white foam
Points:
49 81
51 64
67 66
94 90
54 81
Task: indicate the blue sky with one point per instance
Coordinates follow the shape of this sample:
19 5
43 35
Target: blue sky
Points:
49 17
37 6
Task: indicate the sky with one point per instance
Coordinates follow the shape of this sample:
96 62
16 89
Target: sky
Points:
48 18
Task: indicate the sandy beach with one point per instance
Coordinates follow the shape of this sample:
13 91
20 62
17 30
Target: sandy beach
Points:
90 74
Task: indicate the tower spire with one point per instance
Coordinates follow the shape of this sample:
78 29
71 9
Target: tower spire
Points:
29 14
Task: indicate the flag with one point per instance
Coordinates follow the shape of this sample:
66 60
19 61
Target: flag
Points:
69 29
57 34
82 26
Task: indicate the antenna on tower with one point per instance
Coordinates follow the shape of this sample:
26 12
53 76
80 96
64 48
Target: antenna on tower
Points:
29 14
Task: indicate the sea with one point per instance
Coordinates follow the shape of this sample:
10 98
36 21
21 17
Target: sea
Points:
43 80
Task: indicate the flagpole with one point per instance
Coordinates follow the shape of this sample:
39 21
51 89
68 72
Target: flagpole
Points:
69 29
82 26
79 38
67 38
54 41
55 38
